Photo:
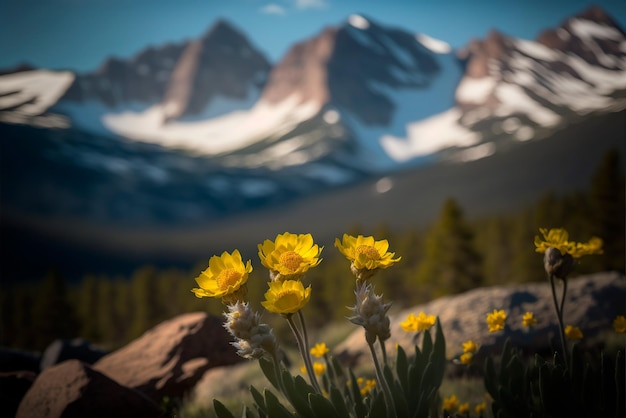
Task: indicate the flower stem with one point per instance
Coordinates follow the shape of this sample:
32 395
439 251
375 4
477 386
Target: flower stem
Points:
383 350
559 315
279 375
302 346
391 409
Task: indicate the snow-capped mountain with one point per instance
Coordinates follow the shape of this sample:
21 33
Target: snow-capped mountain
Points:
359 99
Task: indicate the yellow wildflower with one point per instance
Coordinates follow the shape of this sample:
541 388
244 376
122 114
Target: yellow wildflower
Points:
450 403
286 297
289 256
365 254
470 346
466 358
225 278
619 324
496 320
558 238
480 408
464 408
319 350
303 369
319 368
529 319
366 385
421 322
573 333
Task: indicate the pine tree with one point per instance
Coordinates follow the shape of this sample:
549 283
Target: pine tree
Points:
451 264
608 208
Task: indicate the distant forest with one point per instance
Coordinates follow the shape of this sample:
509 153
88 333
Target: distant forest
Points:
452 255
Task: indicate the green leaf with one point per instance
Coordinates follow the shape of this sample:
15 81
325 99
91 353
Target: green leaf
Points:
297 398
438 356
402 407
221 411
322 406
427 343
402 369
274 408
359 409
339 402
258 399
269 371
378 409
490 377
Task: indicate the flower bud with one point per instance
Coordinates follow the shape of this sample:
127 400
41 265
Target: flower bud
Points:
557 264
371 313
252 338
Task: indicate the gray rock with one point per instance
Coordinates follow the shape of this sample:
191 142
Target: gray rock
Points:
592 303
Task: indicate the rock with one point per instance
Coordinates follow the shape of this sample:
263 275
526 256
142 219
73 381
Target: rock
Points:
168 360
592 303
74 389
60 350
13 386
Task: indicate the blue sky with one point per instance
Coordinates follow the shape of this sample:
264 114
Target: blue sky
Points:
80 34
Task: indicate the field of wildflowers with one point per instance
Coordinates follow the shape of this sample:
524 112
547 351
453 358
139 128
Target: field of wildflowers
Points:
571 383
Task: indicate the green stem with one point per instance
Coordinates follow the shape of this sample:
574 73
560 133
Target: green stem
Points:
559 316
304 353
383 350
391 409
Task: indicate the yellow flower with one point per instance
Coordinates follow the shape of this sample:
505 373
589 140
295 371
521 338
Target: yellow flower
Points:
529 319
496 320
450 403
366 254
573 333
469 346
286 297
421 322
303 369
366 385
464 408
619 324
467 358
558 238
319 350
480 408
225 277
319 368
289 256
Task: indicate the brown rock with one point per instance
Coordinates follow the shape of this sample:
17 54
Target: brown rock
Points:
74 389
169 359
592 303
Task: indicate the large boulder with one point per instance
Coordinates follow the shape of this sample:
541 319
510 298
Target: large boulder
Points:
73 389
169 359
592 303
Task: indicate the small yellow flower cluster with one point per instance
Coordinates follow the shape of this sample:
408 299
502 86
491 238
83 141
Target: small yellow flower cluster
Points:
366 385
619 324
469 349
496 320
573 333
318 368
319 350
451 404
529 319
421 322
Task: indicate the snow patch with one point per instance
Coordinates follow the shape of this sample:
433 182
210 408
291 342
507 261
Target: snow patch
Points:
429 136
435 45
478 152
31 93
219 135
586 29
536 50
475 90
359 21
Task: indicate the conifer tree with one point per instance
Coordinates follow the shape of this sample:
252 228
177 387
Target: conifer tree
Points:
451 263
608 209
